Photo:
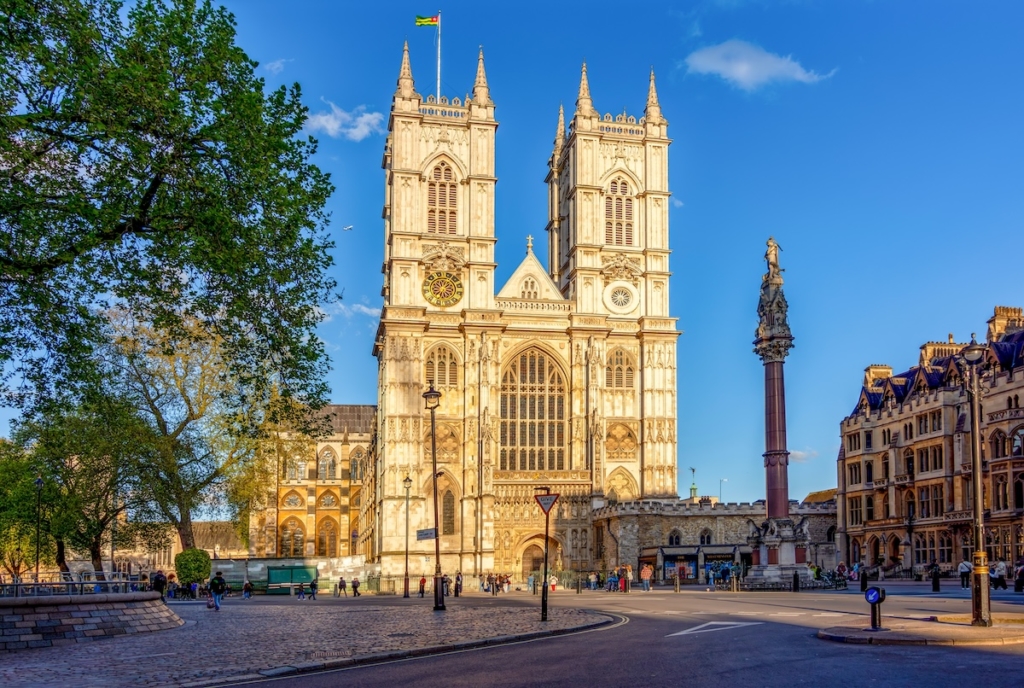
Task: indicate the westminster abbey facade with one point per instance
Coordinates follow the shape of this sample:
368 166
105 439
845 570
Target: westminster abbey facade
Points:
564 377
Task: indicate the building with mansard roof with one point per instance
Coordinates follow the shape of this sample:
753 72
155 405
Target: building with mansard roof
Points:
904 466
563 377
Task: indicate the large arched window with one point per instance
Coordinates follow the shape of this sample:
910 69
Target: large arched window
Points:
293 539
442 194
327 539
442 369
1017 442
356 465
295 470
448 513
618 214
327 468
619 371
533 432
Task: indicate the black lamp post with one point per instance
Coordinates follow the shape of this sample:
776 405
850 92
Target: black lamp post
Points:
433 399
407 484
981 605
39 504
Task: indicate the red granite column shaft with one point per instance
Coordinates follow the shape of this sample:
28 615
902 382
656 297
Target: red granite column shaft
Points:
776 457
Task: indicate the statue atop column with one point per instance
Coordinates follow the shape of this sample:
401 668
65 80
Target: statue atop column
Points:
774 338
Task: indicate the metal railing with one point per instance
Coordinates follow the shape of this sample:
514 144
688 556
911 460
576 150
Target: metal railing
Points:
74 584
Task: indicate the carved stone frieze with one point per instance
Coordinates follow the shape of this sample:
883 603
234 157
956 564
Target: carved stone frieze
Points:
620 267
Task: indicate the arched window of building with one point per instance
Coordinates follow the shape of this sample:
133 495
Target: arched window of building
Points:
448 513
705 537
328 466
533 414
327 539
442 369
998 442
442 194
869 508
1017 442
886 509
620 370
1018 493
830 534
356 466
855 553
529 290
908 504
675 539
908 462
618 214
293 539
295 470
869 471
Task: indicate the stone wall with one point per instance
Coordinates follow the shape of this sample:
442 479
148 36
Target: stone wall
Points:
27 622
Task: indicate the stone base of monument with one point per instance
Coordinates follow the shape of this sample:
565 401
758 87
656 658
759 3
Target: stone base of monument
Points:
780 547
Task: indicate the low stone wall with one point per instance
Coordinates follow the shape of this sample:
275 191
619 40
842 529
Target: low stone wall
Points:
27 622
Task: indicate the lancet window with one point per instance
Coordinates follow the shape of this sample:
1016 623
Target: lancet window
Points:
442 196
448 513
327 469
442 369
619 371
533 414
293 539
327 539
618 214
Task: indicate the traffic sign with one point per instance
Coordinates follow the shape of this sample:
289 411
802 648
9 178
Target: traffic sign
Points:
546 501
426 534
874 595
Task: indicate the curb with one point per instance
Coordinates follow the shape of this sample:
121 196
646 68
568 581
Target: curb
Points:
880 639
380 657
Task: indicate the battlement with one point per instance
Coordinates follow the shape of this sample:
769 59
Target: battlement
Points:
452 109
678 507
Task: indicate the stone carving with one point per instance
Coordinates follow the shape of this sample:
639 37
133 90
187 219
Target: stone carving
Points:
621 267
774 338
444 256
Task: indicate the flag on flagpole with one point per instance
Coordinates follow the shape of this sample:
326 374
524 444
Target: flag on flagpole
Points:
428 21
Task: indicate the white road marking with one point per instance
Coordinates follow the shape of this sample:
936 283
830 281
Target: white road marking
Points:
712 626
787 614
746 613
831 614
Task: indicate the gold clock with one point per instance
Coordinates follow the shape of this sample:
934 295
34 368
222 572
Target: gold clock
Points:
442 289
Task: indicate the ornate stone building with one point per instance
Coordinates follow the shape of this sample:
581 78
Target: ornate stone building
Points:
564 377
904 466
314 509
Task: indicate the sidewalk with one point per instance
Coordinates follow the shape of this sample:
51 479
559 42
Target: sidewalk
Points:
936 630
245 641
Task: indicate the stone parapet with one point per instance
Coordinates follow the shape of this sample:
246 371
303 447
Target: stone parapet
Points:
669 507
29 622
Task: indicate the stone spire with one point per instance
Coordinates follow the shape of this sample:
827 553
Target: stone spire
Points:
560 132
481 94
584 105
653 111
406 87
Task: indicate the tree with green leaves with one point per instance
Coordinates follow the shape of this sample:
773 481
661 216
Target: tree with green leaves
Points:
143 165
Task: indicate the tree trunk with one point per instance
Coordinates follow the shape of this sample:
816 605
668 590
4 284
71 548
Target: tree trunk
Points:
184 527
62 561
96 554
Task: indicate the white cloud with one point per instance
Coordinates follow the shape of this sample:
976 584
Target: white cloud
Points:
276 67
798 456
348 311
354 126
749 66
676 203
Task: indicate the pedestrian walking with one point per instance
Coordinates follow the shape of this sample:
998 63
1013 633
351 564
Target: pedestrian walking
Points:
423 585
313 585
160 584
1000 575
553 580
964 569
355 587
530 582
217 587
342 587
458 583
301 594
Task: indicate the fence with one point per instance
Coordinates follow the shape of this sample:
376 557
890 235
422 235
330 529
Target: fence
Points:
74 584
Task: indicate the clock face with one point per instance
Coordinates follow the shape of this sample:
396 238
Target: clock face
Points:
442 289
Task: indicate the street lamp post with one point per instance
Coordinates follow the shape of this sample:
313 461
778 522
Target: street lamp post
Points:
981 606
433 399
722 480
407 483
39 503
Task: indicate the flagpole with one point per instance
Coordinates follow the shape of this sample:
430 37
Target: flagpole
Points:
439 56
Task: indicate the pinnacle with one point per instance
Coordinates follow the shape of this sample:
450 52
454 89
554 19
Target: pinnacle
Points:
653 111
584 105
560 132
481 93
406 87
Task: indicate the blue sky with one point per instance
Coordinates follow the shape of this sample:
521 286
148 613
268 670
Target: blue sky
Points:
879 142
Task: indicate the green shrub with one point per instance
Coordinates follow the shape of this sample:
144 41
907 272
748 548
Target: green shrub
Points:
192 566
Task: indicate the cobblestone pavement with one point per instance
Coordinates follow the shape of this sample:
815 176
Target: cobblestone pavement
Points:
247 637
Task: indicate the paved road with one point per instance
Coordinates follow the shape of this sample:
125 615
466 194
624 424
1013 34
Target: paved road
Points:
760 639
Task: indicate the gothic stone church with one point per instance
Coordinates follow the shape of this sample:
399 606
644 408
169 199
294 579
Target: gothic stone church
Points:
565 377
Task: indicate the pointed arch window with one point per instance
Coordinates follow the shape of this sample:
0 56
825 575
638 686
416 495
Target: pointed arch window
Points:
327 468
619 372
618 213
293 539
448 513
442 200
533 414
442 368
327 539
356 465
675 539
705 537
529 290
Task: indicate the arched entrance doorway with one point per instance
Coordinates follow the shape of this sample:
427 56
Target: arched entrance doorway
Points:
533 559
